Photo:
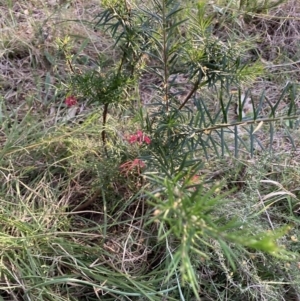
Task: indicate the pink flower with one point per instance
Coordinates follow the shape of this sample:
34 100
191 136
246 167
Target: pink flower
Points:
147 140
71 101
139 134
132 139
138 162
129 166
139 137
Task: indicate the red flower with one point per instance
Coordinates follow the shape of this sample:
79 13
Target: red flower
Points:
139 137
71 101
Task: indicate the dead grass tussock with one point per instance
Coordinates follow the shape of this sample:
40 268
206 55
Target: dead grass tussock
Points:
280 30
273 36
33 67
278 44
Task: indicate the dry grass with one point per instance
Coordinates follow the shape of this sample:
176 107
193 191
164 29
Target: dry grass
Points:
36 37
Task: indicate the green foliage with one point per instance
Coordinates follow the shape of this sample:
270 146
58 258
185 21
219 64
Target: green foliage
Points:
101 88
176 42
185 209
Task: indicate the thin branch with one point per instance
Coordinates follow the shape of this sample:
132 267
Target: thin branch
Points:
225 125
196 85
